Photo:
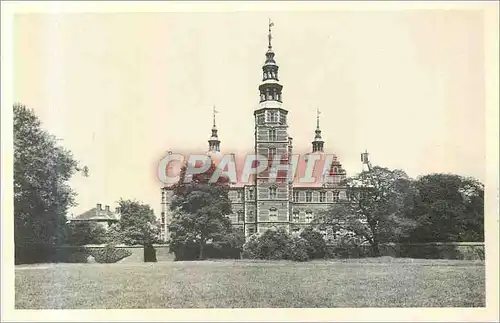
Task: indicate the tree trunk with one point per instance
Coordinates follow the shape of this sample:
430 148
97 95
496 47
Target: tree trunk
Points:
202 246
375 248
374 240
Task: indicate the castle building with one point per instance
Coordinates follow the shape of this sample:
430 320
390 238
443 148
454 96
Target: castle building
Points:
281 203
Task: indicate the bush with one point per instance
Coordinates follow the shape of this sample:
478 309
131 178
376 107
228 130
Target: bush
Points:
271 245
45 253
316 243
276 245
149 253
191 251
109 254
299 249
83 233
346 247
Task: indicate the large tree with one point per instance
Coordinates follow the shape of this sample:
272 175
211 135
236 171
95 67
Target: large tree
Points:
376 207
448 207
200 211
42 196
137 225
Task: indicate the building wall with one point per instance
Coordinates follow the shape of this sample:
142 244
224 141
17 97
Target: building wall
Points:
245 205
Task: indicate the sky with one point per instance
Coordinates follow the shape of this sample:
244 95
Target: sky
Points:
121 89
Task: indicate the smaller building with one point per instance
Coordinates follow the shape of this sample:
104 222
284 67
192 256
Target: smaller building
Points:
103 216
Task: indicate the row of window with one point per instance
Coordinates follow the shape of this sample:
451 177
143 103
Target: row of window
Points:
271 74
271 116
270 94
296 195
309 196
273 214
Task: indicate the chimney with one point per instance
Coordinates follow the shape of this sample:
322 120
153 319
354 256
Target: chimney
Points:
107 208
117 210
99 206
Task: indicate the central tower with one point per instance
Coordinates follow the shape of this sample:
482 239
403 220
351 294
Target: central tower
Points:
272 141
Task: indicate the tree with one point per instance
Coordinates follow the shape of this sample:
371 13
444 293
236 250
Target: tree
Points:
42 196
85 232
448 207
376 207
137 225
200 211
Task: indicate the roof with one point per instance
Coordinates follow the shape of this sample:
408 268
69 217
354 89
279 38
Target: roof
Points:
96 215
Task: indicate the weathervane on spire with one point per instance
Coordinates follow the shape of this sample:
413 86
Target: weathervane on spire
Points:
270 36
214 112
317 117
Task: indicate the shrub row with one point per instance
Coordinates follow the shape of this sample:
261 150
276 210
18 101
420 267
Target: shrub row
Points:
109 254
191 251
54 254
276 245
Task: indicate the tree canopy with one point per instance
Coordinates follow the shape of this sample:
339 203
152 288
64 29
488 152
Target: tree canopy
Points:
200 211
42 195
375 209
448 207
137 225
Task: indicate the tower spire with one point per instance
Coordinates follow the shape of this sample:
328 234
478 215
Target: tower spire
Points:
214 112
317 118
318 142
270 89
213 141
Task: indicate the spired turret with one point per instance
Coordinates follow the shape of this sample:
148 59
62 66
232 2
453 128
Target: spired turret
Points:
318 143
213 141
270 89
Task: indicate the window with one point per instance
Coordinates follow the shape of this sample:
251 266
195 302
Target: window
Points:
251 231
273 213
162 197
309 216
162 218
272 193
295 196
322 196
272 116
295 217
250 216
241 216
261 119
282 116
309 196
239 195
250 194
271 152
335 196
272 135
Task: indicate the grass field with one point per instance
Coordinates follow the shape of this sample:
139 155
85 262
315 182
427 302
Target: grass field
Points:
377 282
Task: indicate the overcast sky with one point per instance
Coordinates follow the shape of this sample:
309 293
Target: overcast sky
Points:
122 89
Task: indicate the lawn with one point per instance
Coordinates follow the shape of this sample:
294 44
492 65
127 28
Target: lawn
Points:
377 282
